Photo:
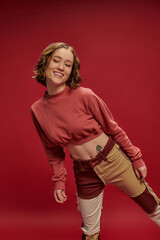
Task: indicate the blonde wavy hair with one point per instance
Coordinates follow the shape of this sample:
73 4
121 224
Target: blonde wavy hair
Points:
74 79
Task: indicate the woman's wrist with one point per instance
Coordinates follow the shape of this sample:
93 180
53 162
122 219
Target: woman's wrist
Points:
60 185
138 163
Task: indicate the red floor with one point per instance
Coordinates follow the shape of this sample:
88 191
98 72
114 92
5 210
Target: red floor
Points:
124 222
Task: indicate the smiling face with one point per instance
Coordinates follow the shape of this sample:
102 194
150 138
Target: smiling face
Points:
59 70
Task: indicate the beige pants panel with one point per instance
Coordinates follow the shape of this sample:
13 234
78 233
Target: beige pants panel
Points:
117 170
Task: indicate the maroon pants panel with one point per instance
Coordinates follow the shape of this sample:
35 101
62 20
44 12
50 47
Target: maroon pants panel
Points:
89 185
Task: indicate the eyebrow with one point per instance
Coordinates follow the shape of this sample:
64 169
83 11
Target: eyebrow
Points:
61 58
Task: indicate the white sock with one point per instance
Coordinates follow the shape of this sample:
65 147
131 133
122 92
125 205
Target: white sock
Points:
155 217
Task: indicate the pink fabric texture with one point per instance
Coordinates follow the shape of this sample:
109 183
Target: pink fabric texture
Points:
73 117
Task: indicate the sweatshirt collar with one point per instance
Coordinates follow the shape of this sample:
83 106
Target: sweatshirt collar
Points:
54 96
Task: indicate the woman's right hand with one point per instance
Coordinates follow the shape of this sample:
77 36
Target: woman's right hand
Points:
60 196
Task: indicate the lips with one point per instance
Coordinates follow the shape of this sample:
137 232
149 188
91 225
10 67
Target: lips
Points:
58 74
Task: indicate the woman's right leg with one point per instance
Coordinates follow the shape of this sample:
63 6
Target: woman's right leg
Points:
90 210
90 197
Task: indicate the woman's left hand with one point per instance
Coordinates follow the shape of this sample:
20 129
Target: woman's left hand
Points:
141 172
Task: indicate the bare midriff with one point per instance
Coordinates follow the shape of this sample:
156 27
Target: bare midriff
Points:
89 149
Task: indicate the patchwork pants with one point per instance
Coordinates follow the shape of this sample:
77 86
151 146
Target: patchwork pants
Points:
110 166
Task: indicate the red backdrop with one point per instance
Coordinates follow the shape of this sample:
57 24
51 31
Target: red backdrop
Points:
118 43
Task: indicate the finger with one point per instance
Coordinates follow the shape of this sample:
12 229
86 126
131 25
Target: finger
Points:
64 195
57 196
58 200
137 174
64 198
60 196
144 171
142 178
142 174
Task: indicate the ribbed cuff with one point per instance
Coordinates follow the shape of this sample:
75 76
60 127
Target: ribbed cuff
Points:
59 185
138 163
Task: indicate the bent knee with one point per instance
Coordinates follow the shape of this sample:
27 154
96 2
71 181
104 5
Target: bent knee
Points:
147 200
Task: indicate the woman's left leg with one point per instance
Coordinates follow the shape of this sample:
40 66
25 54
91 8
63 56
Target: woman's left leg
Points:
150 204
117 170
155 216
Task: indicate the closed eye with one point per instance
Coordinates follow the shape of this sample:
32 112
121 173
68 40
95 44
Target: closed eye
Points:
54 60
68 65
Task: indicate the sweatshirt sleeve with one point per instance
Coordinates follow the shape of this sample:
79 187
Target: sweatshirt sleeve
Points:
55 155
103 116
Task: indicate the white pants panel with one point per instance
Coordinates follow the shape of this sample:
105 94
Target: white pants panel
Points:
155 217
90 210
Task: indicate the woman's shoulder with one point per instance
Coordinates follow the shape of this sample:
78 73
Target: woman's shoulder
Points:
84 91
37 104
83 95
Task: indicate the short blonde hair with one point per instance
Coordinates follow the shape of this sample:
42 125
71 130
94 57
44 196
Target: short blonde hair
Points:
74 79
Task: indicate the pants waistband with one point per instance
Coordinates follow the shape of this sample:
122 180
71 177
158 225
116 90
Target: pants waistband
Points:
80 163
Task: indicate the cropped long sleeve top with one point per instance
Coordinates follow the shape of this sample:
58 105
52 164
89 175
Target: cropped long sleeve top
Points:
73 117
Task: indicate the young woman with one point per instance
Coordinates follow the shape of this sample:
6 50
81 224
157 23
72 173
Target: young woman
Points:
74 117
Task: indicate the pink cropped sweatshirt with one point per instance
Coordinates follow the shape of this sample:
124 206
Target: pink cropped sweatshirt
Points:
73 117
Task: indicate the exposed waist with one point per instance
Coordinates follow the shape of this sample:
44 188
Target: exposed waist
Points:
99 157
90 148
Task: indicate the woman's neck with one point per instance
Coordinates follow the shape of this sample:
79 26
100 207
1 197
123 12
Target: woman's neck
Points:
52 90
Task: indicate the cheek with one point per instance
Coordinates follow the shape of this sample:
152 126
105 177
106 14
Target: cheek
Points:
69 72
51 66
48 73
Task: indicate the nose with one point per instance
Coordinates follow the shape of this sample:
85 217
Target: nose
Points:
60 66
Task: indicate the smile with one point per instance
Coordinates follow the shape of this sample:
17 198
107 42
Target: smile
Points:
59 74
